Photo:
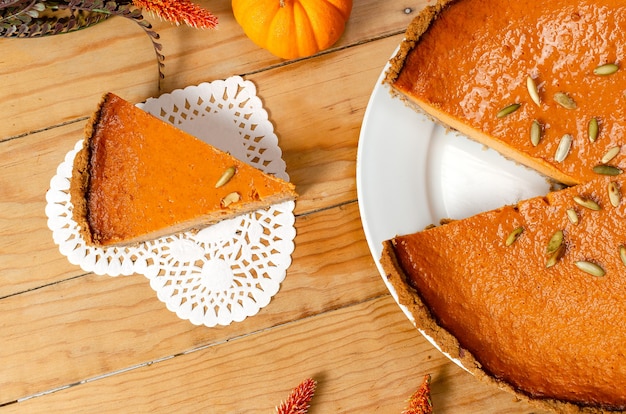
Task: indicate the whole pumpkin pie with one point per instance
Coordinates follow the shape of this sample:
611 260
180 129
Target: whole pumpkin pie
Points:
138 178
527 296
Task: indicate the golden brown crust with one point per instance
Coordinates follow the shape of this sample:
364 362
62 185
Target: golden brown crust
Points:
79 182
416 29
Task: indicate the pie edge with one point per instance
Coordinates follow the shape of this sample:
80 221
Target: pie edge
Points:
79 181
449 345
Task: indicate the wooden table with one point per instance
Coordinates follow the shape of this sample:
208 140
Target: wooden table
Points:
72 341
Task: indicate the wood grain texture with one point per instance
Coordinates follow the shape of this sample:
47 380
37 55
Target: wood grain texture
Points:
28 256
72 341
86 326
369 346
51 80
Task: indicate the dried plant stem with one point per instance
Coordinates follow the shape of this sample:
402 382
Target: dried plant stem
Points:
20 18
420 402
299 399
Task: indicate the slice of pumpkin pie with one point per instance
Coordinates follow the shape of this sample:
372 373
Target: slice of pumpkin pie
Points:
138 178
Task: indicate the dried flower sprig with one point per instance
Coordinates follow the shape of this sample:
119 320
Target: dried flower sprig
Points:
126 10
179 12
299 399
36 18
420 402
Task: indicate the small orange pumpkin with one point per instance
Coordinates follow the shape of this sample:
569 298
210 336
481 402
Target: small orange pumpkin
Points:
292 28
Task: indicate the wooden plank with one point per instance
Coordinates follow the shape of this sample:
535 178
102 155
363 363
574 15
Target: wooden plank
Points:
321 160
370 19
28 256
92 325
366 358
51 80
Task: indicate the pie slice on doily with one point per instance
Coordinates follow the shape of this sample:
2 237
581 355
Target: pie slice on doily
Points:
224 272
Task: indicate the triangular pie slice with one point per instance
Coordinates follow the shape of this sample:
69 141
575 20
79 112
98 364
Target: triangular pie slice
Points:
138 178
529 296
542 82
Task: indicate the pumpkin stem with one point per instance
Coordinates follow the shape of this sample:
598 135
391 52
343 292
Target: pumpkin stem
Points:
282 3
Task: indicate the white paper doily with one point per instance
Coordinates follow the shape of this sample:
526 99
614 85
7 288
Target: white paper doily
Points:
222 273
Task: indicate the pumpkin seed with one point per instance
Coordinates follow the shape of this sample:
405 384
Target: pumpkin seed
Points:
555 242
535 133
572 215
563 149
590 268
507 110
564 100
228 174
610 154
230 199
607 170
587 203
622 253
554 257
593 129
615 195
514 235
606 69
532 90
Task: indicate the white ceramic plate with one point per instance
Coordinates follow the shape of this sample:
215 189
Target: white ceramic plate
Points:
411 172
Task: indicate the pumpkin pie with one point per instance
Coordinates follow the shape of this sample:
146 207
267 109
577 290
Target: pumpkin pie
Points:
528 296
138 178
540 82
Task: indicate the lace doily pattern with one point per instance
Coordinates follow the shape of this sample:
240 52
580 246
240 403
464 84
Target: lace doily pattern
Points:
226 276
239 124
219 274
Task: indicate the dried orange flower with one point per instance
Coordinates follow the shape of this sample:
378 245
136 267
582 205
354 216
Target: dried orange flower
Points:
179 12
420 402
299 399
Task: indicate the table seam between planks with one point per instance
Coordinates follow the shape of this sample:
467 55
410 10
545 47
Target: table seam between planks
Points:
244 74
195 349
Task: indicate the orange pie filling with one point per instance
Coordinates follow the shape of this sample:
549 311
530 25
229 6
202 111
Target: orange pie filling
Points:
529 296
138 178
534 292
491 69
